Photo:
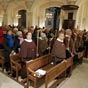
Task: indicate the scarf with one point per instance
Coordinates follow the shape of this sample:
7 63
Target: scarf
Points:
28 40
60 40
21 40
11 41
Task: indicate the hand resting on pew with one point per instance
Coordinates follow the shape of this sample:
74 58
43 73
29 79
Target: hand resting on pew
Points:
64 61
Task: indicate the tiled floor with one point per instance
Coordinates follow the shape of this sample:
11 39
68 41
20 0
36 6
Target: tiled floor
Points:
79 79
6 82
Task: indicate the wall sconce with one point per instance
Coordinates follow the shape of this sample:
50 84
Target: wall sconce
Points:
1 16
18 16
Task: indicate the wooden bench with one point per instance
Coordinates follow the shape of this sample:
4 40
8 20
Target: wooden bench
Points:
80 56
2 59
15 64
41 62
69 63
52 71
58 70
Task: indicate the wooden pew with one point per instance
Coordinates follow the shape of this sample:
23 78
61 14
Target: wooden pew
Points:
15 64
2 59
80 56
58 70
41 62
69 63
52 71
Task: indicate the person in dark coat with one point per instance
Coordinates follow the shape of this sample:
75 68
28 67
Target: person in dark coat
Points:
58 50
86 46
10 46
1 38
27 52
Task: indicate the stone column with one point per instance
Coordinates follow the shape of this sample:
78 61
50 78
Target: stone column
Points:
5 15
62 17
5 18
29 18
29 14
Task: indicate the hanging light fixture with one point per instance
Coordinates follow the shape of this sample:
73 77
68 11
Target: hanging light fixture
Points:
18 16
48 12
48 15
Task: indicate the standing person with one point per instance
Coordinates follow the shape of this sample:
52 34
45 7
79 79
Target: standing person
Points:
86 45
20 39
10 46
1 38
43 45
27 52
58 50
69 43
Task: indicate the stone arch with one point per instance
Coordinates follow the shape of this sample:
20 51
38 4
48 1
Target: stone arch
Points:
1 16
43 7
13 11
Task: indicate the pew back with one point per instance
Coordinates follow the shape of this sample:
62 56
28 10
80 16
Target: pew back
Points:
39 62
2 59
69 62
15 64
55 72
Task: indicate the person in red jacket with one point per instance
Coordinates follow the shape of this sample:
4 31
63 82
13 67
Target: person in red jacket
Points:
1 38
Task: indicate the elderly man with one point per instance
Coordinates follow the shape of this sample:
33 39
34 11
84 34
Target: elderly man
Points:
69 44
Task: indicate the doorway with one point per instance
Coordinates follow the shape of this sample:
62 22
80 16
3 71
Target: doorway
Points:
52 18
22 19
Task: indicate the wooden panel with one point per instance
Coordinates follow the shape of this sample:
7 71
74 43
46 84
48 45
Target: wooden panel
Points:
69 62
55 72
68 24
38 62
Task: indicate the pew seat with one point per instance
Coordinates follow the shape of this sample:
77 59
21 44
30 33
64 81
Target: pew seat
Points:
80 56
15 64
2 59
44 63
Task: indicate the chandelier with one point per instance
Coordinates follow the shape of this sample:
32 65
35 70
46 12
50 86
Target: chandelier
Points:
18 16
49 15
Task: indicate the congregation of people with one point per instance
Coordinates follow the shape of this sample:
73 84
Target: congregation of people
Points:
34 42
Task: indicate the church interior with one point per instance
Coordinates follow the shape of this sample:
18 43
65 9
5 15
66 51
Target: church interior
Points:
43 43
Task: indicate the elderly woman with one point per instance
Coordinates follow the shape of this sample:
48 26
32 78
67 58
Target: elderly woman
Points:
43 44
20 39
27 52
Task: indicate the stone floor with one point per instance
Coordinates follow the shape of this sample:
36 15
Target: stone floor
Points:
79 79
